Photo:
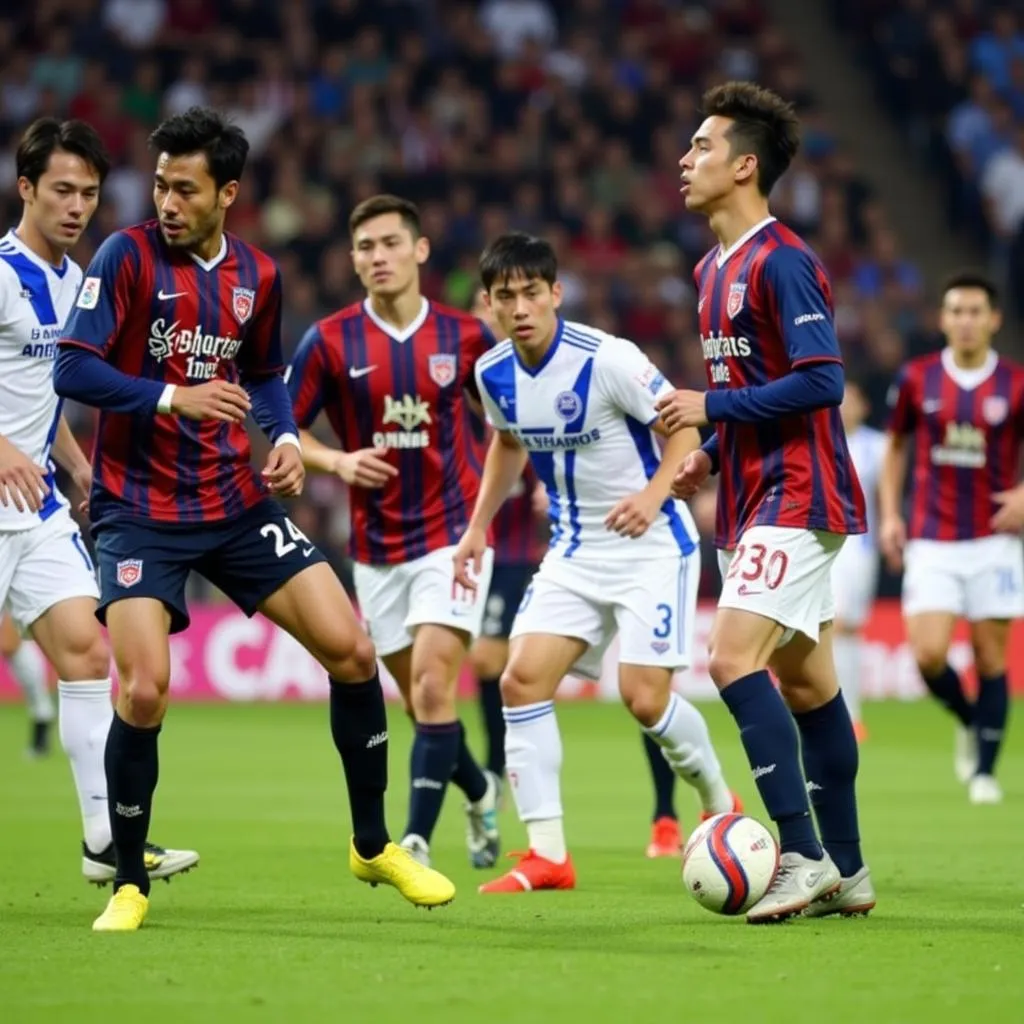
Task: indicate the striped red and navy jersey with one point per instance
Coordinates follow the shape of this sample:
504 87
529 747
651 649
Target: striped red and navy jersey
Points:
966 427
161 313
517 530
765 309
402 391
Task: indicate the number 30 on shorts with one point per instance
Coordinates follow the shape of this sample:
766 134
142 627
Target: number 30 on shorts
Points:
754 562
284 547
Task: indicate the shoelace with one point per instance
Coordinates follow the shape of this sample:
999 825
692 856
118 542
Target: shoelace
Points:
785 870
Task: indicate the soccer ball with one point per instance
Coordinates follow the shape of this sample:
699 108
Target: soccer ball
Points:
729 862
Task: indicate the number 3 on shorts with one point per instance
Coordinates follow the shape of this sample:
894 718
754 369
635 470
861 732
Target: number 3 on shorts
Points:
664 627
284 547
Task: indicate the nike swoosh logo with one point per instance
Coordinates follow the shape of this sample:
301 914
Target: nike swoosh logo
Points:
164 296
355 373
306 552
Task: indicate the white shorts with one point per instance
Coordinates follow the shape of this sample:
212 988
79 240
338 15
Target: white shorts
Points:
972 579
42 566
782 573
650 604
394 599
855 581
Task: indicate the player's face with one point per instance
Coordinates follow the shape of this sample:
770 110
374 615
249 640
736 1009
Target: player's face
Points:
526 310
709 169
63 200
190 206
968 320
386 256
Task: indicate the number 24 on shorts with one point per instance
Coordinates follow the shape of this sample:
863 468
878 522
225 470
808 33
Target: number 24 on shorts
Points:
755 562
284 547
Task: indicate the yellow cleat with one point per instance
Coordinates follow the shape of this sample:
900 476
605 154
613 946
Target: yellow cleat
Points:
420 885
125 912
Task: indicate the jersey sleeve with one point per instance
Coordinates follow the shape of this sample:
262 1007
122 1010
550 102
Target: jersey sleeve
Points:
797 290
476 340
495 417
105 296
262 354
632 382
902 407
306 376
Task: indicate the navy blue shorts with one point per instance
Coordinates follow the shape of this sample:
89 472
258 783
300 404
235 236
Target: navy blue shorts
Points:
508 584
248 558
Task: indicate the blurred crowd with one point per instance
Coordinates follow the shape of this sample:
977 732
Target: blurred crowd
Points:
566 119
952 73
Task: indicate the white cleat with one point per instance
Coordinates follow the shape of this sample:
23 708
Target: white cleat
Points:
856 898
417 848
482 838
983 789
965 754
100 868
797 884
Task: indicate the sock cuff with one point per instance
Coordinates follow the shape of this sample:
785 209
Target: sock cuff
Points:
823 711
528 712
947 670
139 731
999 680
661 726
746 688
367 689
85 689
439 728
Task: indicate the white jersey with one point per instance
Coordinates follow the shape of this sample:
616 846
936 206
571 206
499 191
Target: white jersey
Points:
35 299
867 449
584 414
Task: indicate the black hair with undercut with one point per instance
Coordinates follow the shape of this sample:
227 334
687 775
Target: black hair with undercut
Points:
517 254
975 279
380 206
47 136
764 124
202 130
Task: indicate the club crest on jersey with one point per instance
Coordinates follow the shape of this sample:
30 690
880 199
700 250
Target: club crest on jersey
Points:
994 409
568 405
242 302
734 303
129 572
90 293
441 367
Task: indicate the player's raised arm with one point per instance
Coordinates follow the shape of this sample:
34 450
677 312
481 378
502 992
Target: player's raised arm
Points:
796 293
306 379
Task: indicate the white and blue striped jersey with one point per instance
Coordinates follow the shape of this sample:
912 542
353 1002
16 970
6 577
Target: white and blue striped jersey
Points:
584 415
867 449
35 299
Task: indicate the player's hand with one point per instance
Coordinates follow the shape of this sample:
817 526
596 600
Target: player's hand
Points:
22 482
468 559
892 538
540 503
367 467
1010 517
681 409
82 479
633 515
284 471
215 400
690 477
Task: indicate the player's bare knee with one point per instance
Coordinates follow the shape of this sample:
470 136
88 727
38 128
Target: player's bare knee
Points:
930 658
517 689
145 695
351 659
646 699
989 661
726 665
801 695
433 694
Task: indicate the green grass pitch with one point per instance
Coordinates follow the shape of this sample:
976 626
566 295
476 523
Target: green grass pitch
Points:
271 927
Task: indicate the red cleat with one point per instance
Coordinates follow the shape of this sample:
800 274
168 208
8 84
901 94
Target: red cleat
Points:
737 808
533 872
666 839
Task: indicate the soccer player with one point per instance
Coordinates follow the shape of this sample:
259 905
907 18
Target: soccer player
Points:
28 666
788 497
46 576
962 410
623 558
175 337
855 570
391 372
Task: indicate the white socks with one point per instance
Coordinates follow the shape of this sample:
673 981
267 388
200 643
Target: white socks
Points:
29 667
533 760
846 649
683 736
85 716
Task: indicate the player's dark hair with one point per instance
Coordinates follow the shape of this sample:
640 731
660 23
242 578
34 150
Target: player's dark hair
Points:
764 124
201 130
972 279
517 254
47 136
378 206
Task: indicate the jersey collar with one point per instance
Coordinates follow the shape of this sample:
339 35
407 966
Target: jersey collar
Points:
14 240
393 332
723 255
534 370
209 265
968 379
